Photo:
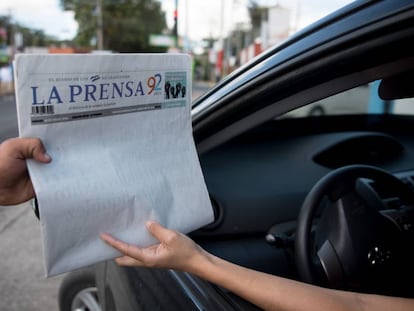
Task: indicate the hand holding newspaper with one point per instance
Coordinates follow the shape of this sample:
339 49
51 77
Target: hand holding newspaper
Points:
118 128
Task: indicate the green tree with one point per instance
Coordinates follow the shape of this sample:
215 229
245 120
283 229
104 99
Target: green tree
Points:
126 24
31 37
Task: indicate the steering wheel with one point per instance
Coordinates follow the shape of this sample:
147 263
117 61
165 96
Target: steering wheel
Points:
357 241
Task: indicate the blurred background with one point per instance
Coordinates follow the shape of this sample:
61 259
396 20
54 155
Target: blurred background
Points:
220 34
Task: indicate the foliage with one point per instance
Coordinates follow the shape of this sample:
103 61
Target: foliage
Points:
31 37
126 24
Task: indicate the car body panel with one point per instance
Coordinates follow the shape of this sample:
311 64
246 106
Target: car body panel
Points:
153 289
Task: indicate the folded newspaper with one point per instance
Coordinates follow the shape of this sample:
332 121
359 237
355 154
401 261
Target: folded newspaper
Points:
118 128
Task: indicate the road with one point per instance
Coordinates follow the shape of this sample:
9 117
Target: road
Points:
200 87
23 286
8 117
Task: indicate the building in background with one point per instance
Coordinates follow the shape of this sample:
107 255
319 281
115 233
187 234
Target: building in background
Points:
247 41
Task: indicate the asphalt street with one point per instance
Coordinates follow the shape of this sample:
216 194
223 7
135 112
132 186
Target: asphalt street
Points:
8 117
23 285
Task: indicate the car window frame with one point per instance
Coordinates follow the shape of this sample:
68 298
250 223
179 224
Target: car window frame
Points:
294 84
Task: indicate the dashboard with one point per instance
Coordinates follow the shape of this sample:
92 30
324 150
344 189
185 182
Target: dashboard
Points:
259 180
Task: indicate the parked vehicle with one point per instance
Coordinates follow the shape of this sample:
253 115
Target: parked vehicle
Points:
324 199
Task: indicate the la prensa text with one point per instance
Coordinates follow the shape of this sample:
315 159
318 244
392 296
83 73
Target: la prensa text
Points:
86 92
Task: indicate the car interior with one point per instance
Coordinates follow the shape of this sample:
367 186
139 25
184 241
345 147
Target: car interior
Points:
327 198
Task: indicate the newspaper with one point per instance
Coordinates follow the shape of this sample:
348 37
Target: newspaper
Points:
118 128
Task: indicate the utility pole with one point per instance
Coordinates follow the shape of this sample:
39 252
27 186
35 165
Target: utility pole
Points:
12 40
99 30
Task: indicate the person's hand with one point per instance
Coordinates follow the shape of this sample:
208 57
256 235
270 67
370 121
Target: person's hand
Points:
175 250
15 184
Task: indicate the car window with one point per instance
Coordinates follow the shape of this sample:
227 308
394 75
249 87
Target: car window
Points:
363 99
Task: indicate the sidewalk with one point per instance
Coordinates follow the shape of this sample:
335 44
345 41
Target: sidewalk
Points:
6 88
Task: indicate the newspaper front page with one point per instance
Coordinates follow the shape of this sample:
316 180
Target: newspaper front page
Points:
118 128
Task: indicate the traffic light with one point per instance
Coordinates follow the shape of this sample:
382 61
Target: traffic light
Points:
175 29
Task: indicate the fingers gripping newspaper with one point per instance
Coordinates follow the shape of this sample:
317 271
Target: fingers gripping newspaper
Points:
118 128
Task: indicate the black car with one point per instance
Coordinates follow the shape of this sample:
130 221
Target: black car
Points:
326 199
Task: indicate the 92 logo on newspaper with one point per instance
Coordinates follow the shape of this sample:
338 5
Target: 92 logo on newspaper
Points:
153 83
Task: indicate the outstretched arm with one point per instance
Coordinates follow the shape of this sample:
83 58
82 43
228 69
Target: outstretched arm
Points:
15 184
269 292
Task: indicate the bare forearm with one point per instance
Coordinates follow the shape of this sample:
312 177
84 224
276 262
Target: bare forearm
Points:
269 292
275 293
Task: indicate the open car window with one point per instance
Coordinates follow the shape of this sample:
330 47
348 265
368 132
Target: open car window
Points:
363 99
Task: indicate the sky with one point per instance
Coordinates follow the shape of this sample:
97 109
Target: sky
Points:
197 18
44 15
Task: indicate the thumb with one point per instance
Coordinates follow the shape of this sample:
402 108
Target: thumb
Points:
158 231
33 148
